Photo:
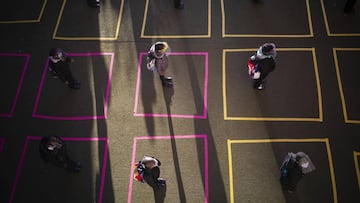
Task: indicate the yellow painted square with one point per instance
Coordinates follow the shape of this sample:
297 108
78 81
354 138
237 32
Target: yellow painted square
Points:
356 162
319 118
326 19
115 37
309 21
340 84
255 141
179 36
38 19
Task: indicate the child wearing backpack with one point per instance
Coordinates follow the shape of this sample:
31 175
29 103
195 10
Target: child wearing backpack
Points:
293 169
261 64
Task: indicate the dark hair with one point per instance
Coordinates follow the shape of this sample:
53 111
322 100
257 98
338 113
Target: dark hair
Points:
53 51
300 155
267 48
159 47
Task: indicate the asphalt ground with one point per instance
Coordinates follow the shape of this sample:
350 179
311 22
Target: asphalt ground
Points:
218 139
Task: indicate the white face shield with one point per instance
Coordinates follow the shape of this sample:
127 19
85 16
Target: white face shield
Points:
304 164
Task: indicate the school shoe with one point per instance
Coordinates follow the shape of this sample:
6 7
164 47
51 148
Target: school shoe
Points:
75 84
94 3
168 79
167 82
161 183
260 87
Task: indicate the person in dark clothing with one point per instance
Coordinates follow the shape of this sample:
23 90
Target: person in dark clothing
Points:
59 66
349 6
147 171
293 168
261 64
53 150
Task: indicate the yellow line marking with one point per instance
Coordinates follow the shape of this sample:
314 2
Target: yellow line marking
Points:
318 86
231 183
208 35
328 27
311 32
88 38
341 89
28 21
332 173
305 140
356 162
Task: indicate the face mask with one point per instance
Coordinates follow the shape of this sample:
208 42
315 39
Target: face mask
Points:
305 165
59 54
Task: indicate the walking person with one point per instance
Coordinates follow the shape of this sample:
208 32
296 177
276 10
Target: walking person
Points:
59 66
147 170
157 60
53 149
261 64
293 169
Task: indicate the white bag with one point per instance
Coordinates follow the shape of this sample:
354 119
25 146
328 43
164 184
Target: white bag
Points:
151 65
256 75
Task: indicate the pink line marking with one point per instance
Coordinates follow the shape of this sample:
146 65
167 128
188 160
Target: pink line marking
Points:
206 156
103 169
35 115
203 116
19 170
10 114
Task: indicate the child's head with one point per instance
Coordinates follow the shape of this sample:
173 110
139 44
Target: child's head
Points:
302 160
161 48
55 53
267 48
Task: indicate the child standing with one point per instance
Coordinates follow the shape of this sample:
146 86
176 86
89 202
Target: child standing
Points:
158 60
59 66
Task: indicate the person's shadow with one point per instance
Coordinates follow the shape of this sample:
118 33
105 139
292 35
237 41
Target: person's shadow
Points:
168 92
160 194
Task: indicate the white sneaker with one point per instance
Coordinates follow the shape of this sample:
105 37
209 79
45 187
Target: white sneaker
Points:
260 87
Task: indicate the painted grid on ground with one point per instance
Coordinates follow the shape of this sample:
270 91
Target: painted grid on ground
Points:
207 35
79 139
24 68
198 116
90 117
316 72
38 19
255 141
116 35
326 19
357 168
340 84
309 21
142 138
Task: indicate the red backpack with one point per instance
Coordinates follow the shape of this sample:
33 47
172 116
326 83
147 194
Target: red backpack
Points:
252 67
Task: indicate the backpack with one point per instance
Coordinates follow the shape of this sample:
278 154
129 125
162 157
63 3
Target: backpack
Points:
288 163
253 70
139 169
